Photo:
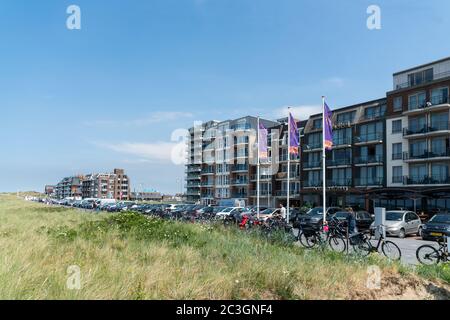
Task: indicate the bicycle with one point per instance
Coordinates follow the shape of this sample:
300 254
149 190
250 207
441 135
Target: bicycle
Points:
362 245
335 237
429 255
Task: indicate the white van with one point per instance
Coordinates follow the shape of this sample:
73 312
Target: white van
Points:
102 202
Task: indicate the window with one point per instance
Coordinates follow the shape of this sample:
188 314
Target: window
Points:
397 126
397 174
398 104
439 96
417 125
315 140
375 112
317 124
420 77
418 148
440 146
342 137
371 132
439 121
346 117
417 101
396 151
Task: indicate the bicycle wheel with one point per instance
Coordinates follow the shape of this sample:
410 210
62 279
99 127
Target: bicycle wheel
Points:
306 240
428 255
337 244
391 251
362 248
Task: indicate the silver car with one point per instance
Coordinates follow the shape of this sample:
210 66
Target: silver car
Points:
402 223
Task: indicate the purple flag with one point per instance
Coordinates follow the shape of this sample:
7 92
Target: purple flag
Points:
293 143
328 127
262 142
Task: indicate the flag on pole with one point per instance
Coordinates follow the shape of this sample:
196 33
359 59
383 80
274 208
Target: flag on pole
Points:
262 142
293 143
328 127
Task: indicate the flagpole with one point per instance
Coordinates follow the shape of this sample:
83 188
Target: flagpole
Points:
289 165
324 194
258 175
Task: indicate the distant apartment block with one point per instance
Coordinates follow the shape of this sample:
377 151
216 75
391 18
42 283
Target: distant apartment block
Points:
115 185
392 152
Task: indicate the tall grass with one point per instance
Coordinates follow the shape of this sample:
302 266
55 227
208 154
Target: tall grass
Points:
128 256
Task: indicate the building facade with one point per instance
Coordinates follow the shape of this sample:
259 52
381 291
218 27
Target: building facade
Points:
392 152
114 185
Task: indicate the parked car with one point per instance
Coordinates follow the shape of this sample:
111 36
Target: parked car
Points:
437 227
314 217
269 213
401 223
363 219
230 211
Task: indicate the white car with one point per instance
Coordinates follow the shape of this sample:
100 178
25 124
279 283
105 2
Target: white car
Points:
228 211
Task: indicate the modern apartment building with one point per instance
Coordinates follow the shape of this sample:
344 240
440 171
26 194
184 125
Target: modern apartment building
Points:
114 185
69 187
392 152
418 138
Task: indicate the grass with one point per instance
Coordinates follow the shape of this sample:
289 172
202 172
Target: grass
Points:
128 256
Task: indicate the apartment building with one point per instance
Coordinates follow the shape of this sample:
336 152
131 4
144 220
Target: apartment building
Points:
69 187
355 165
114 185
418 138
392 152
220 159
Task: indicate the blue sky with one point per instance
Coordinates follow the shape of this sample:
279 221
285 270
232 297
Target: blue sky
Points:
110 95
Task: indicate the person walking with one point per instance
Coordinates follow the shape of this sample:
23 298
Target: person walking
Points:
283 211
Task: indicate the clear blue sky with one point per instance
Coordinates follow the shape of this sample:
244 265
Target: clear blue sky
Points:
110 95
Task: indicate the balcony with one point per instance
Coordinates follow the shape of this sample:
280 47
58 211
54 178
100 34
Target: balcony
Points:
208 171
262 193
285 158
207 183
339 183
312 147
193 185
373 116
369 182
283 193
426 180
193 170
342 143
239 182
312 184
424 80
283 175
241 127
427 156
435 104
369 138
262 177
239 168
239 195
312 165
344 162
369 160
436 128
193 193
192 177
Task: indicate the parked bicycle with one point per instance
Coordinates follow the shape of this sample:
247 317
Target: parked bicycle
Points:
335 238
429 255
362 245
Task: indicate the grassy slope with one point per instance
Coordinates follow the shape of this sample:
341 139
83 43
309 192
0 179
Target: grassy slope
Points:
125 257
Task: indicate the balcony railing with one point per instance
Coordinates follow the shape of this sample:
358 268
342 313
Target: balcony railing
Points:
371 137
241 127
312 164
342 142
284 157
435 77
239 182
239 167
435 126
207 183
262 193
283 193
254 177
313 146
283 175
369 159
373 116
339 183
208 171
426 180
366 182
239 195
339 162
426 155
312 184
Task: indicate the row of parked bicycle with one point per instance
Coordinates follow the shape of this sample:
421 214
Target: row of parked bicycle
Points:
304 227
